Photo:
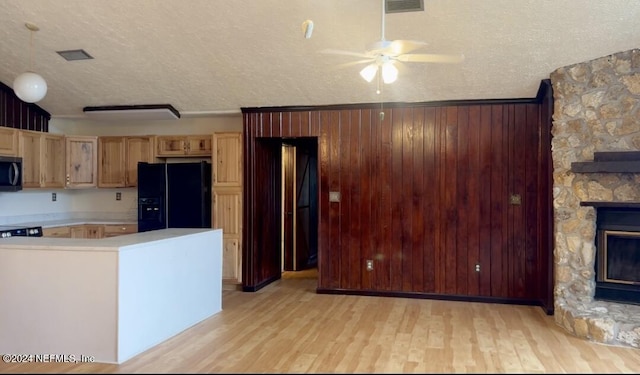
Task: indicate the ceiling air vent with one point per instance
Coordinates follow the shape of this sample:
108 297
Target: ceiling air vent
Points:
398 6
75 54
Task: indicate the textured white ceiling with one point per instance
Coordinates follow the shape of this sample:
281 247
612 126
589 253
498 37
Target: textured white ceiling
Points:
213 56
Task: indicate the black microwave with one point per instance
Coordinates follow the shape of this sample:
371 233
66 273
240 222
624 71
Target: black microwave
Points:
10 173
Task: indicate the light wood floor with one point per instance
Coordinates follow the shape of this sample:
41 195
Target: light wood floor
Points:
287 328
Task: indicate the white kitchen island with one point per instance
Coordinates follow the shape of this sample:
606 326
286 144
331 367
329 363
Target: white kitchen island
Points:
106 299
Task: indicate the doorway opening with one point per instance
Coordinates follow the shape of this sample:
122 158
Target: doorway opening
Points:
299 214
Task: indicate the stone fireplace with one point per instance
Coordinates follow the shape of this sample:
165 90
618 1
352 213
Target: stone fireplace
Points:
596 110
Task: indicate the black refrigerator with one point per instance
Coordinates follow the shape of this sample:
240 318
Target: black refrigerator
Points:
174 195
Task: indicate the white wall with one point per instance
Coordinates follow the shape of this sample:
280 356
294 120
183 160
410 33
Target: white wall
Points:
21 206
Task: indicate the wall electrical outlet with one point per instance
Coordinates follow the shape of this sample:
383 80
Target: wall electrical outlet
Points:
54 197
369 263
118 196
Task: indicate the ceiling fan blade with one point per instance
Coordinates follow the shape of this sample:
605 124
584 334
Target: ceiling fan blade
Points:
345 53
352 63
425 57
400 47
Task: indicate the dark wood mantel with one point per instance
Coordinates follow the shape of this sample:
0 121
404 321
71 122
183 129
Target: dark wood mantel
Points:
610 162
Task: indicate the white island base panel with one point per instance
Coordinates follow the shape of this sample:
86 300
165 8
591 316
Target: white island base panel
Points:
106 300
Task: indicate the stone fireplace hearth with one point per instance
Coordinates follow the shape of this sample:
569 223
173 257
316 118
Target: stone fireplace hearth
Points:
596 109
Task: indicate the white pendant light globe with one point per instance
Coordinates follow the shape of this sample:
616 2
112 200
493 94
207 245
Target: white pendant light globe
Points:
30 87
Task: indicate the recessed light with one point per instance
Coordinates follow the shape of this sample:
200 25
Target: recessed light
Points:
75 54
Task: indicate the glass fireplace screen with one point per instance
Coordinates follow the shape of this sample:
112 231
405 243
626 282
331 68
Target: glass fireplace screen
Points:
620 257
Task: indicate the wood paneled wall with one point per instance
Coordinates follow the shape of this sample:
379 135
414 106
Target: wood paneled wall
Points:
447 199
14 113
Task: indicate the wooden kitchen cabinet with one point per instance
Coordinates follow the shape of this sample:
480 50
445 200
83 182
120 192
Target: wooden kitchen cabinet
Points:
183 145
112 230
60 232
118 158
140 148
8 141
227 201
90 230
43 159
227 159
227 215
81 161
111 162
87 231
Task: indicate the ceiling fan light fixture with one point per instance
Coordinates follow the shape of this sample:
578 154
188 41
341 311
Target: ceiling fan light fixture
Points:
389 72
369 72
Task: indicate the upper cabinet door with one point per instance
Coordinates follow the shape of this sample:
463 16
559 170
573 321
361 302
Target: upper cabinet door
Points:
183 145
82 161
8 141
43 159
111 162
227 159
118 159
138 149
52 160
199 145
171 145
31 153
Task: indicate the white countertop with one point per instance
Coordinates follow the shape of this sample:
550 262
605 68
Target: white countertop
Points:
117 243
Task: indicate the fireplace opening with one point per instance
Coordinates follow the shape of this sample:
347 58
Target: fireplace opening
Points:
618 255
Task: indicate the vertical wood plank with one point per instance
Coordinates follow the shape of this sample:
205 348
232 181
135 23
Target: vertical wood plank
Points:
450 218
484 204
314 126
398 214
417 175
333 124
519 183
327 249
439 208
499 199
367 181
408 213
355 167
376 191
473 215
294 123
285 124
384 224
465 204
343 168
431 200
530 201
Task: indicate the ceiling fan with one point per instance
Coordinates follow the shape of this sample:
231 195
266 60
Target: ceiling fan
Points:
384 54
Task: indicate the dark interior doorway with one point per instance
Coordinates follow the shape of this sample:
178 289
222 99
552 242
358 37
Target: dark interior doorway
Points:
299 203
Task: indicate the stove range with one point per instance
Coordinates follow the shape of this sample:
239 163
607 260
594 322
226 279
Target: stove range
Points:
7 231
